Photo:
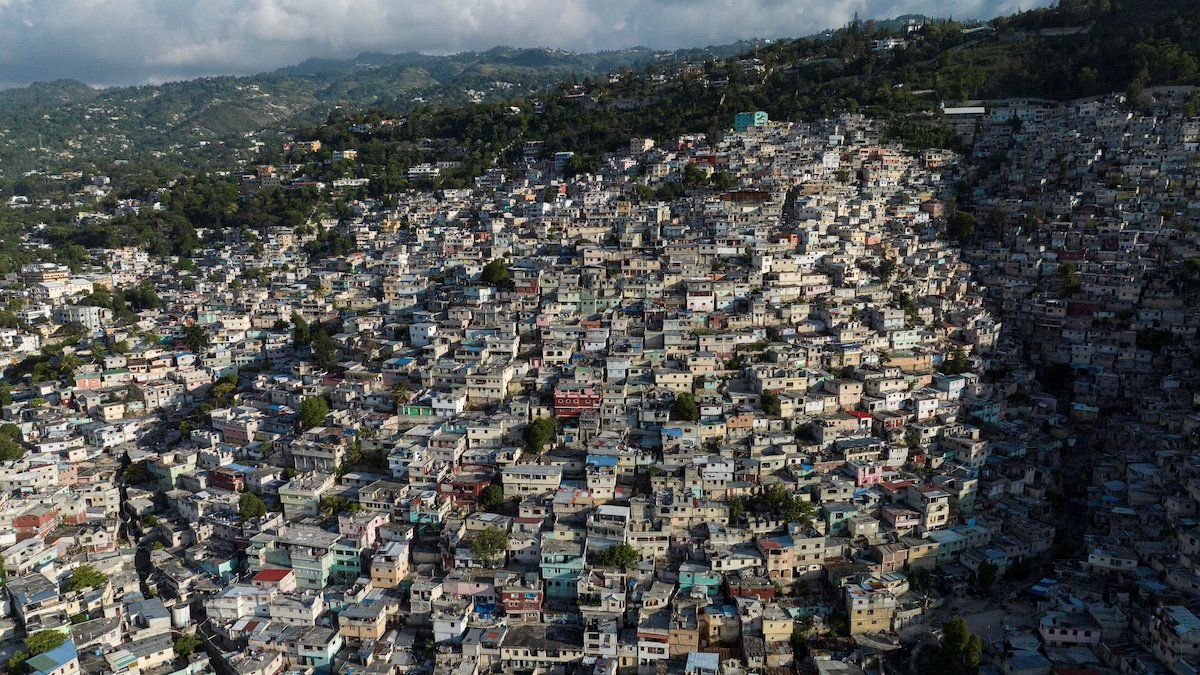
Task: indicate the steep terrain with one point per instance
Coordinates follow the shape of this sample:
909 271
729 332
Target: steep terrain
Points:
66 124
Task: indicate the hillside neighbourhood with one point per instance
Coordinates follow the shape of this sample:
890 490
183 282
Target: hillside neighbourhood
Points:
767 401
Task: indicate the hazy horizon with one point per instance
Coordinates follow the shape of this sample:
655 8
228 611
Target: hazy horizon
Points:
156 41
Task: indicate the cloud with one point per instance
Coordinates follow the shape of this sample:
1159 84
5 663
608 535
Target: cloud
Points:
136 41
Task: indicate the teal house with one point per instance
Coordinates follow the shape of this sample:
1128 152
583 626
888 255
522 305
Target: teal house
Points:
746 120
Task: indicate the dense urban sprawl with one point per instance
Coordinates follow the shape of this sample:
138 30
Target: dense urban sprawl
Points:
769 401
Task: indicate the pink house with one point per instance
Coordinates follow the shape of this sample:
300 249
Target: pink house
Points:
87 381
465 584
363 524
865 473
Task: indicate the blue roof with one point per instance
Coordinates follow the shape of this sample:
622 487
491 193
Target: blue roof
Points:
602 460
703 661
53 659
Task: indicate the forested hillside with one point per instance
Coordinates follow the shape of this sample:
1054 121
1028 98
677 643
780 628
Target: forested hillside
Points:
209 121
1079 48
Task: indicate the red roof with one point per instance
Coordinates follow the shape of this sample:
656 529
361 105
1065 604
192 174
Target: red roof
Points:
860 414
272 575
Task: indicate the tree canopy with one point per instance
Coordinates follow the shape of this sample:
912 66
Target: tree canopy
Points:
769 401
196 338
958 652
491 497
539 433
187 644
489 546
313 411
619 555
85 577
684 408
496 274
251 506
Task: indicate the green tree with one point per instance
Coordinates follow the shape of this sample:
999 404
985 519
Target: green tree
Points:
313 411
803 629
196 338
400 395
620 555
1069 275
68 364
37 643
723 181
961 226
956 364
301 336
251 506
496 274
43 641
16 662
778 501
5 394
769 401
986 576
912 438
10 450
1057 378
887 268
187 644
539 433
223 391
85 577
336 504
324 350
737 507
136 474
684 408
957 653
10 442
489 546
491 497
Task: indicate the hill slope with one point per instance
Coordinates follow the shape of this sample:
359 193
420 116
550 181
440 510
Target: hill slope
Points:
68 124
1079 48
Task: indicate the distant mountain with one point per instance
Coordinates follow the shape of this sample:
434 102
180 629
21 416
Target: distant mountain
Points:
901 76
63 124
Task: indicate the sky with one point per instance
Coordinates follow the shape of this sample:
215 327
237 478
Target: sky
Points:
118 42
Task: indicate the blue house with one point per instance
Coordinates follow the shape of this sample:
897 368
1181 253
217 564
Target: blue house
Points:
562 563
